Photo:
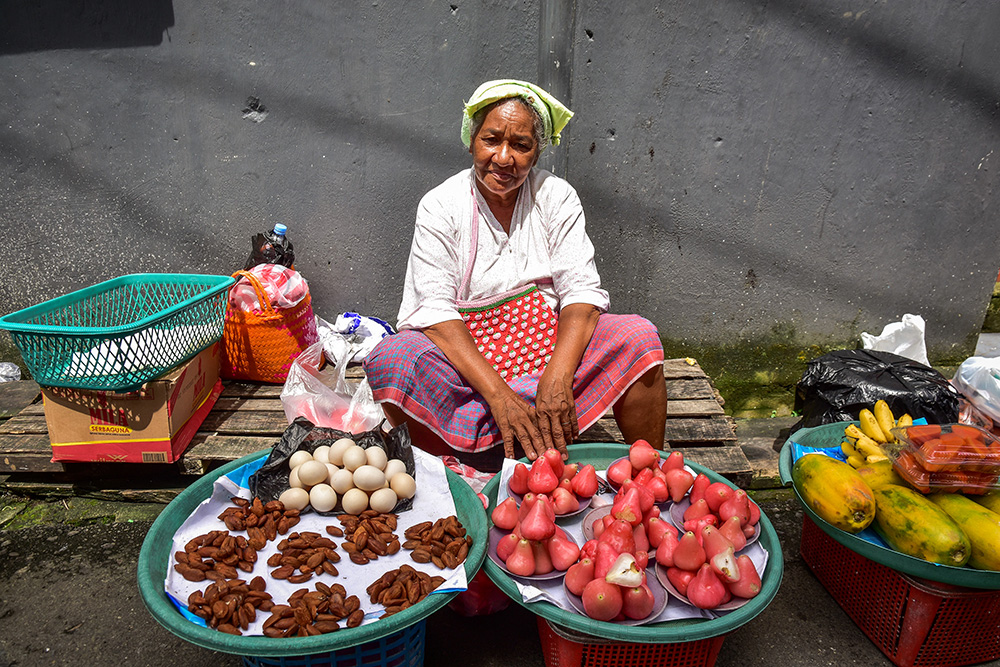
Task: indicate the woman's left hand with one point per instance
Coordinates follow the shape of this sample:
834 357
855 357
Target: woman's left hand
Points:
555 410
555 407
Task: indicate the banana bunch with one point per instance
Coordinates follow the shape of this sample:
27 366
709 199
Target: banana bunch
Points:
863 445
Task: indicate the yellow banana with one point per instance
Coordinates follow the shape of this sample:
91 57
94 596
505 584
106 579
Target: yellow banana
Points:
875 458
886 420
855 461
869 448
904 421
847 448
870 427
853 432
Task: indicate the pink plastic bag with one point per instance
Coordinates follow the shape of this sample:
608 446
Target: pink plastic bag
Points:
325 397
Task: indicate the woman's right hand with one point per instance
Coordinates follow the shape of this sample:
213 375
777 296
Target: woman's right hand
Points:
516 418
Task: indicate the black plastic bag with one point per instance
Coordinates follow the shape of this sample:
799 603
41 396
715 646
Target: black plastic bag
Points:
838 385
271 480
267 250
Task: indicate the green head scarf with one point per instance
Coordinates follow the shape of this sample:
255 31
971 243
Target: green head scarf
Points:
554 114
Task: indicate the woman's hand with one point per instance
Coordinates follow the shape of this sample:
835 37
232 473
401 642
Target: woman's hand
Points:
555 410
555 405
517 419
514 416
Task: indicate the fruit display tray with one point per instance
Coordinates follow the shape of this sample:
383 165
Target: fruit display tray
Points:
830 435
666 632
154 558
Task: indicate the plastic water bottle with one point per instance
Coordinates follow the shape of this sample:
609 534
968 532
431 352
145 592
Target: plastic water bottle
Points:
277 236
272 248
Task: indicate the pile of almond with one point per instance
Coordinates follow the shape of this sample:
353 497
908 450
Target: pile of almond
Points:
315 612
442 542
216 555
272 518
369 535
231 606
402 588
305 552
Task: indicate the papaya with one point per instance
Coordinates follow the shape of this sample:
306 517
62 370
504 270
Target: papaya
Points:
980 524
880 473
990 500
834 491
913 525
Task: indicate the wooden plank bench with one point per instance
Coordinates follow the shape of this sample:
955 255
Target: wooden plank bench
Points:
249 417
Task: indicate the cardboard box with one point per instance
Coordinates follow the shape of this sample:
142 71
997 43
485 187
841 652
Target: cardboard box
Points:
152 425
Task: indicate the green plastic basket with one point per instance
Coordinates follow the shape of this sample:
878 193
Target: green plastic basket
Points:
118 334
154 558
831 435
665 632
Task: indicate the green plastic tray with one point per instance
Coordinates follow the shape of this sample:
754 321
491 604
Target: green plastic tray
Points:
666 632
118 334
155 555
831 435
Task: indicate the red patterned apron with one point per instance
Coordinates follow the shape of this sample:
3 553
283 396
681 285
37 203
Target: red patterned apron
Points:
516 330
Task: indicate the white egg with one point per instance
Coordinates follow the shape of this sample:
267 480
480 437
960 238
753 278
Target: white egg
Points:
383 500
293 479
322 497
322 454
312 472
330 469
354 458
404 485
294 499
368 478
393 466
337 449
342 481
355 501
298 458
377 457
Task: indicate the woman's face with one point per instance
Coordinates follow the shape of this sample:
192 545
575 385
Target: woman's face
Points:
504 150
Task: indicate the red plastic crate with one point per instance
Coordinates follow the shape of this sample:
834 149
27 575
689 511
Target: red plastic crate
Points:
563 647
914 622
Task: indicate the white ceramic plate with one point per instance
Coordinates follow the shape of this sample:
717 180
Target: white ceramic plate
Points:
584 503
661 576
495 536
677 510
660 600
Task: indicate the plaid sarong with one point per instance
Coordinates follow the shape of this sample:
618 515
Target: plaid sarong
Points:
408 370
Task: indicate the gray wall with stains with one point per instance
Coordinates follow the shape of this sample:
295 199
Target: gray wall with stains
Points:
822 168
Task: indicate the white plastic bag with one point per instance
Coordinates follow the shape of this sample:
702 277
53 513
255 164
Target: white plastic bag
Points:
326 397
904 338
978 380
351 329
9 372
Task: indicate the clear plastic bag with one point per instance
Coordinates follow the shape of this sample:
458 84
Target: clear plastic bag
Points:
326 397
978 380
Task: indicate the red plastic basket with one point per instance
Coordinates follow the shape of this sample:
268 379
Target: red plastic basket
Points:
914 622
563 647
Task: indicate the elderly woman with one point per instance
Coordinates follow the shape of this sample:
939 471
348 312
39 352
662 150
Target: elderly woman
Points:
504 335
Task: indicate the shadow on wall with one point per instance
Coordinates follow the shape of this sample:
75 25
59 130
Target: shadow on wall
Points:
69 24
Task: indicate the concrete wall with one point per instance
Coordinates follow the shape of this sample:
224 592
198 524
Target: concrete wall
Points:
821 168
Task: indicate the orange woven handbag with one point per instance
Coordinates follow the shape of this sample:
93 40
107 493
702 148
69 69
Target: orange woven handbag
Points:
260 345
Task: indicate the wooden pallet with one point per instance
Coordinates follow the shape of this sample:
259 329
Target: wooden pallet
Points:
249 418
